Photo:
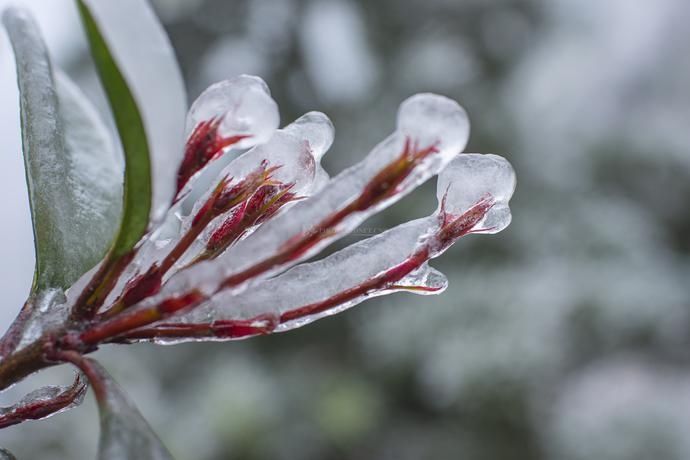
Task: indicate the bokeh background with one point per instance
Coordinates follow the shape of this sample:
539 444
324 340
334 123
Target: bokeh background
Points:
564 337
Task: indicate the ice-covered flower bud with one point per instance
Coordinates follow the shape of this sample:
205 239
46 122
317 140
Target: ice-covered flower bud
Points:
238 112
243 105
474 190
284 159
317 129
430 119
292 157
431 130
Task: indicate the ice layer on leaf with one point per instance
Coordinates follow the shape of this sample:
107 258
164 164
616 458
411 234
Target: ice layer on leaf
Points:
73 176
49 310
141 49
393 168
125 434
95 161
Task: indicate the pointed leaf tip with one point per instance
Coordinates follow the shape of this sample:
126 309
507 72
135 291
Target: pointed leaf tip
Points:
125 435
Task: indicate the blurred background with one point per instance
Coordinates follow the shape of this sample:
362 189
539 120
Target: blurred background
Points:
564 337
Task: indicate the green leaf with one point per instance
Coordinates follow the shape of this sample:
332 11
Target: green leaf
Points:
73 176
125 435
137 197
141 78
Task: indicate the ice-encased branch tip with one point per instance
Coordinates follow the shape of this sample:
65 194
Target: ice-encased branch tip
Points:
44 402
237 113
396 260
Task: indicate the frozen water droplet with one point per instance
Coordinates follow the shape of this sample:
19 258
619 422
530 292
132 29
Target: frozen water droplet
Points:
317 129
425 280
246 108
429 119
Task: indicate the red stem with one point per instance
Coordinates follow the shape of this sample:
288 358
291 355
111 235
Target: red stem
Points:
100 285
13 336
89 367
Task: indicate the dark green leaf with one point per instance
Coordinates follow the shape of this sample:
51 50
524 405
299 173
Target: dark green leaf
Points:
144 87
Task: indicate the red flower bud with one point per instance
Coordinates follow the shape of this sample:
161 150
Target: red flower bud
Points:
204 145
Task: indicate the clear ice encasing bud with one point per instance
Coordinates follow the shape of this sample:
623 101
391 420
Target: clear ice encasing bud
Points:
471 178
430 119
317 129
245 106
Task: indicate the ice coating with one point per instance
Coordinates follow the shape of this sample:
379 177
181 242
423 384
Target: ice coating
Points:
448 122
49 311
317 129
318 281
74 179
288 148
285 151
96 174
496 220
320 180
472 177
425 280
44 402
143 53
396 260
245 105
124 432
